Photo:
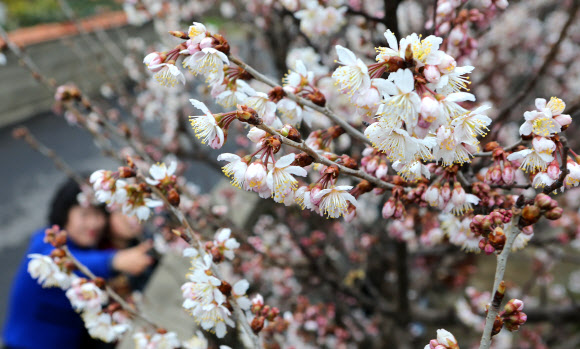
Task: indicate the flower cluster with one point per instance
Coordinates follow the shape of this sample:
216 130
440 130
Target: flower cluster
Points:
543 127
47 272
262 313
133 198
419 116
208 298
542 205
456 201
512 315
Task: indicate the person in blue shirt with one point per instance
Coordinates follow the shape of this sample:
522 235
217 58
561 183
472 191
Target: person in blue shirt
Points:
43 318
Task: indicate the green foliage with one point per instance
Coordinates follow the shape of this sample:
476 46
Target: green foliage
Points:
24 13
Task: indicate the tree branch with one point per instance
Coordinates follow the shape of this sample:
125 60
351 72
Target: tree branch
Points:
511 232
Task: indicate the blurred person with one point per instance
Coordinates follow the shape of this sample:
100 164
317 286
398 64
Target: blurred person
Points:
43 317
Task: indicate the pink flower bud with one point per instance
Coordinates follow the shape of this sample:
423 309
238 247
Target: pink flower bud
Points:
488 249
446 192
372 165
389 208
399 210
513 306
482 244
432 74
381 171
508 174
153 61
495 174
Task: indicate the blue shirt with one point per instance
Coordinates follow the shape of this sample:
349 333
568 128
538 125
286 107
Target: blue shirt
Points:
43 318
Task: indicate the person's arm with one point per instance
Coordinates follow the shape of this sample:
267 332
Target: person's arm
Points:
102 263
99 262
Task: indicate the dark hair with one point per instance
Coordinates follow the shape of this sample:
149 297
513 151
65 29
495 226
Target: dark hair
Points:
63 200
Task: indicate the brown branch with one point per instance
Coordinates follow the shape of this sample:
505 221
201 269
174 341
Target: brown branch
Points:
490 153
404 307
390 19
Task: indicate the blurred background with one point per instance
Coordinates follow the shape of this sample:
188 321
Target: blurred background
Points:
41 28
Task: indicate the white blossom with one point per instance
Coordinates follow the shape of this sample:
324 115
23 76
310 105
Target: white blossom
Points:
160 172
537 158
227 243
402 102
334 202
280 179
353 76
47 273
205 126
101 326
85 294
209 62
235 170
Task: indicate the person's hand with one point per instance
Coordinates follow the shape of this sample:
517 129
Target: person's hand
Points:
133 260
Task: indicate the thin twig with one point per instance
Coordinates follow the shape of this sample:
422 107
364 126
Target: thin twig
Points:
511 232
490 153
